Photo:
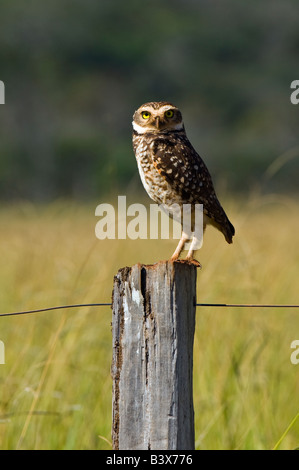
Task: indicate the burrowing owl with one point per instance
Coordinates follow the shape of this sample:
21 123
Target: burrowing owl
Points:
172 171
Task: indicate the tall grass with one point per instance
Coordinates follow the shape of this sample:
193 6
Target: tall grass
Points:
56 383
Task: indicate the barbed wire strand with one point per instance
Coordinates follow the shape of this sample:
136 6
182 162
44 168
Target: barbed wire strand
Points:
250 305
60 307
103 304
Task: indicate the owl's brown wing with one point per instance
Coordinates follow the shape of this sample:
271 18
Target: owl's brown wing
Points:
181 166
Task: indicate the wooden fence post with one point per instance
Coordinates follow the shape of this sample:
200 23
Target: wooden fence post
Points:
153 331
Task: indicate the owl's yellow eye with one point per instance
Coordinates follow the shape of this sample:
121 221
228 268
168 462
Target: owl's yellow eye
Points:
169 113
145 114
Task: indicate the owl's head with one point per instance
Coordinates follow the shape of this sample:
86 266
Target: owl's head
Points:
156 117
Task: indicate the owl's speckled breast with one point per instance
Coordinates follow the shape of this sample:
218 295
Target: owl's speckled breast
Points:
155 185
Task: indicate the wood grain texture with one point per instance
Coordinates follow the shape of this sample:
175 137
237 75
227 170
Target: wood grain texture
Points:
153 331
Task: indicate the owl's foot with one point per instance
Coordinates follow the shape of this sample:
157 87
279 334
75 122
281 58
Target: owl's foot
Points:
187 261
194 262
191 260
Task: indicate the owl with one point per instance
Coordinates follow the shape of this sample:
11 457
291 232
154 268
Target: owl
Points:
172 172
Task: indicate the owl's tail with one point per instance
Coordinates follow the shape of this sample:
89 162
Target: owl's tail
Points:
228 231
222 223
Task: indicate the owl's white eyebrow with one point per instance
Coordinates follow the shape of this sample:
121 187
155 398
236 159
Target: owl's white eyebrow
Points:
166 108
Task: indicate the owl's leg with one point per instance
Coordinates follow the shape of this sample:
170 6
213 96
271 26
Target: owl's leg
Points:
180 247
190 255
191 259
195 245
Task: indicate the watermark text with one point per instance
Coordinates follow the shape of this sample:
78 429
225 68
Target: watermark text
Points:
137 222
2 92
2 352
295 94
295 354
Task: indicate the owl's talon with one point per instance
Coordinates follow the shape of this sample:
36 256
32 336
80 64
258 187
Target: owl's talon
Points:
187 261
194 262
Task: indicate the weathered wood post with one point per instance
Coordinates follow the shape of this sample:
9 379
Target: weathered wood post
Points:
153 331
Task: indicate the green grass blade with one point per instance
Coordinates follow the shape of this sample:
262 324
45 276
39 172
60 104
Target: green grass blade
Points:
286 432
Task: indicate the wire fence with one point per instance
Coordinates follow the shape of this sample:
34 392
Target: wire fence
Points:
109 304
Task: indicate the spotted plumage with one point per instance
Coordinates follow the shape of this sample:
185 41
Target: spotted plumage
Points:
171 170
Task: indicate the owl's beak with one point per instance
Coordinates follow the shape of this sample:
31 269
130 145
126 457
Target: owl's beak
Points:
157 122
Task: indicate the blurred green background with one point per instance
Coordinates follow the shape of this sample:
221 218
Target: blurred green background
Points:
76 70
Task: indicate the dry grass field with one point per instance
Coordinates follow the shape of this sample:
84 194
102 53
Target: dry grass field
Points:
56 384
